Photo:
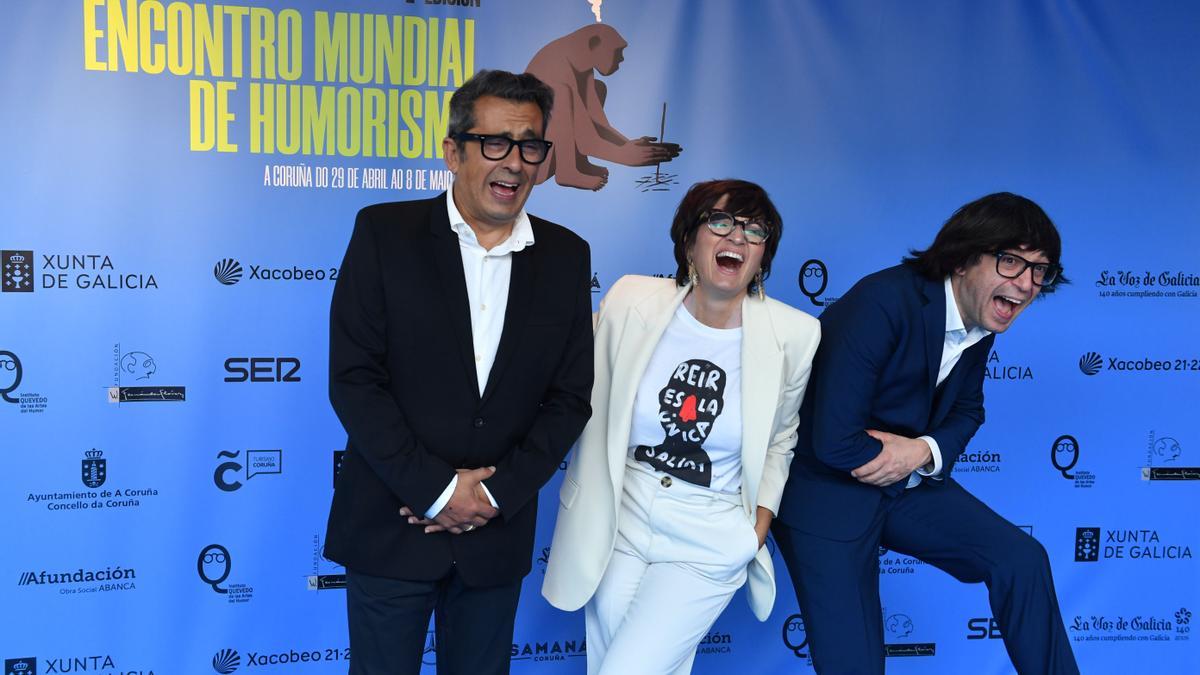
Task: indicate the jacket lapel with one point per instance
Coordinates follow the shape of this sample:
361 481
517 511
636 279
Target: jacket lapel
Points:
762 368
452 284
644 327
934 315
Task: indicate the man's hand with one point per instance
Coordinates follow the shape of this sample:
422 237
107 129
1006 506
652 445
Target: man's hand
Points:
467 509
899 458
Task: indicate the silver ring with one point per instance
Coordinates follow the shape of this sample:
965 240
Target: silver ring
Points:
468 528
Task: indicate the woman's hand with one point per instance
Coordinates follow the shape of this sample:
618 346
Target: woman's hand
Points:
762 524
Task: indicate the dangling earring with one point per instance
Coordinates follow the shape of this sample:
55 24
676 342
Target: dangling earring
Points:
693 277
758 283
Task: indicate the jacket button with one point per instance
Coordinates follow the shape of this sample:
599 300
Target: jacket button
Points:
666 481
477 422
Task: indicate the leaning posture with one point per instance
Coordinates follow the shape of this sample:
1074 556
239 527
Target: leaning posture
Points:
896 394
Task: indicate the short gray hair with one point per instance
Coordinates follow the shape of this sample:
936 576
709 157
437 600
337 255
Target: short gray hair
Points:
522 88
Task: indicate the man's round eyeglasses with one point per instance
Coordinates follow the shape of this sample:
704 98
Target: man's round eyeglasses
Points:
1011 265
496 148
721 224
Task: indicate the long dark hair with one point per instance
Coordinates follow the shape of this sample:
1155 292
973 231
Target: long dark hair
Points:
997 222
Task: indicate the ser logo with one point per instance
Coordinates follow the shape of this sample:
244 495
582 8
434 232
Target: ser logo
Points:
984 628
262 369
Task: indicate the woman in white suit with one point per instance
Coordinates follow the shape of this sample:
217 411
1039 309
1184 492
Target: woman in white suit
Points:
669 495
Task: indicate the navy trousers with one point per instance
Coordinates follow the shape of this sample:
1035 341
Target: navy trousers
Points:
389 620
837 582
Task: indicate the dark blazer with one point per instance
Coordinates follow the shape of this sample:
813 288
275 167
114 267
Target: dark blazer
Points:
876 368
402 381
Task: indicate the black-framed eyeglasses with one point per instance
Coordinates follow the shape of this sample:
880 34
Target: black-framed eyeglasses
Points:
721 224
1011 265
496 148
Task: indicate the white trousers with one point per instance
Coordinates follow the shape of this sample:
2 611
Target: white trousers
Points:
681 553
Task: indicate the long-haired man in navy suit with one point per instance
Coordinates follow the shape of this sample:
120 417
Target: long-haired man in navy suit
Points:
896 393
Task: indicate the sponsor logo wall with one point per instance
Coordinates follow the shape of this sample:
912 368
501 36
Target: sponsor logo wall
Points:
175 219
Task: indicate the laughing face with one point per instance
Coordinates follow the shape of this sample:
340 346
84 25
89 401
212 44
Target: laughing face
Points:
989 300
726 265
490 193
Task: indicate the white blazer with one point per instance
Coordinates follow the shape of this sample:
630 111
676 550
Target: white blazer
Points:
778 343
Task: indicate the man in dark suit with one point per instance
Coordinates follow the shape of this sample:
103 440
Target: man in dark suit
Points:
460 356
896 393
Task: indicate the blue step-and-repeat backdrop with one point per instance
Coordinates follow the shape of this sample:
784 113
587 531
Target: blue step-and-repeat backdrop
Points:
179 183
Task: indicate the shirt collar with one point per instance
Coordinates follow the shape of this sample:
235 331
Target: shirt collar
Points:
954 320
521 236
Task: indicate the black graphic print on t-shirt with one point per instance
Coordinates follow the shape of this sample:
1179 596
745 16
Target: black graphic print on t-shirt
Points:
687 408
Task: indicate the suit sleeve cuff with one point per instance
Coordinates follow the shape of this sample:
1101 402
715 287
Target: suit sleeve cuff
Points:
488 492
442 499
936 471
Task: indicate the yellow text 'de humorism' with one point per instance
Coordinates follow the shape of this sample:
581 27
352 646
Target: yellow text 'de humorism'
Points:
414 63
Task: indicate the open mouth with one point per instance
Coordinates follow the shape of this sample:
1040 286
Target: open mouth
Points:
504 189
730 262
1006 307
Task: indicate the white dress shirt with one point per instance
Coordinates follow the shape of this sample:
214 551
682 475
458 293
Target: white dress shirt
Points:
487 273
958 340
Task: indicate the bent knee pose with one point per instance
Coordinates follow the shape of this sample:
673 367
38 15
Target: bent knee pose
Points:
896 394
671 491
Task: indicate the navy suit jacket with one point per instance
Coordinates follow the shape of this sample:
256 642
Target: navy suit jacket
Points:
876 368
